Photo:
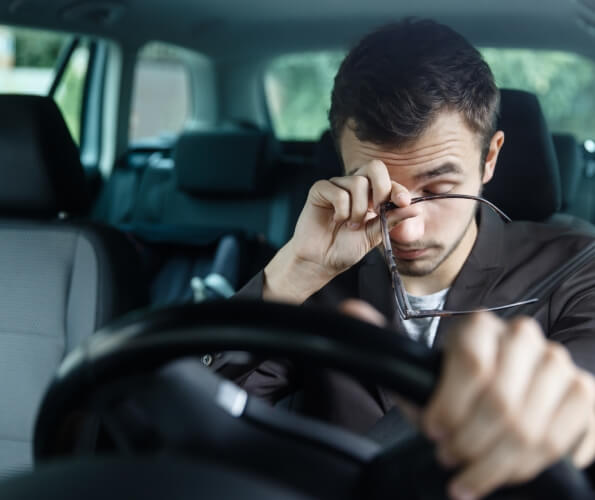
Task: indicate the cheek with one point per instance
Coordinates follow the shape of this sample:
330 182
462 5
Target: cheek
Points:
449 218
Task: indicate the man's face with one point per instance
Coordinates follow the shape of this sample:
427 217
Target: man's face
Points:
446 158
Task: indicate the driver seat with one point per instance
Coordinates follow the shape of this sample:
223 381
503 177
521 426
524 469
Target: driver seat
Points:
61 277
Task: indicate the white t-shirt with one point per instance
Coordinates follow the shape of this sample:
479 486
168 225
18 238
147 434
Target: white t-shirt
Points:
423 329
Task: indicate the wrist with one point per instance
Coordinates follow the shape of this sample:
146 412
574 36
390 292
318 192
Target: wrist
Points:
289 278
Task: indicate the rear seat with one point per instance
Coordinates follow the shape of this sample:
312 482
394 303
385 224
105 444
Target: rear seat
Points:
226 180
231 182
224 183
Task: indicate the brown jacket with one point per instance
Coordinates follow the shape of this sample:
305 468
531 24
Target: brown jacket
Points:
504 262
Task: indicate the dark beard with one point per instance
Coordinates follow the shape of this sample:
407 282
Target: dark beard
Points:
408 268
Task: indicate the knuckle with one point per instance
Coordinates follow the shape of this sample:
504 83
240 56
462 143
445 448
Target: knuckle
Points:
360 182
319 186
556 354
474 364
582 386
376 166
522 434
499 400
480 321
526 327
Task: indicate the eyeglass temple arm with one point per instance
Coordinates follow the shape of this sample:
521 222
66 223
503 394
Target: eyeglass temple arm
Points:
389 205
403 304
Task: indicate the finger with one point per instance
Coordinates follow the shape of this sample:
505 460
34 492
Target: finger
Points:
325 194
469 360
380 182
584 450
570 424
394 217
521 348
550 382
362 310
358 188
569 433
400 195
485 475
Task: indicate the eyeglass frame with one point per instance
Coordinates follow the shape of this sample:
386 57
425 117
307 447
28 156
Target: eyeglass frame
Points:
403 304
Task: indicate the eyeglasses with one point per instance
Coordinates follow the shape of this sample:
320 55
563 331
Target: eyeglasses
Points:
403 304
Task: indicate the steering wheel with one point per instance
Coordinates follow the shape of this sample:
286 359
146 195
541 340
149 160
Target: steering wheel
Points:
192 410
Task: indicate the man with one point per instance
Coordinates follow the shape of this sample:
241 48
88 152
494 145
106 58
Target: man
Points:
413 113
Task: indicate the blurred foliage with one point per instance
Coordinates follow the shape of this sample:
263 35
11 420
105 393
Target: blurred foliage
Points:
299 85
69 94
36 48
563 82
299 88
40 50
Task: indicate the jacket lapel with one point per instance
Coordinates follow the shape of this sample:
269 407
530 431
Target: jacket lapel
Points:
479 274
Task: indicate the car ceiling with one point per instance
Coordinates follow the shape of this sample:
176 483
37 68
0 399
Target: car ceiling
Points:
229 29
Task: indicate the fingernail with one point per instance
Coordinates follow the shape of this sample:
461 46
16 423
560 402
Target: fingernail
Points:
459 492
354 226
402 199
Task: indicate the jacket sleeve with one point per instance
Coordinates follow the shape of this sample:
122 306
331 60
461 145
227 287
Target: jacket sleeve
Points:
270 380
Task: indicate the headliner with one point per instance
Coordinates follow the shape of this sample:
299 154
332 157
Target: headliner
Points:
228 29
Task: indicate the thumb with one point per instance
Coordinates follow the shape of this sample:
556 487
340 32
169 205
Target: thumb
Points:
363 311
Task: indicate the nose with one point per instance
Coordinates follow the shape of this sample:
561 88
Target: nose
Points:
409 230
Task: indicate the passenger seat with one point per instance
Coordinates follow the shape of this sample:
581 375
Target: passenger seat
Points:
61 278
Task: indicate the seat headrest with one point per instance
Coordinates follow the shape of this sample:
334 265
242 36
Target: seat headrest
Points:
224 162
526 182
39 162
571 166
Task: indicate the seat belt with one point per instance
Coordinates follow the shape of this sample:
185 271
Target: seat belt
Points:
544 288
393 426
224 276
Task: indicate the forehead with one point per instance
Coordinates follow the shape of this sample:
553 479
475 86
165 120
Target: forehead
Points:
447 140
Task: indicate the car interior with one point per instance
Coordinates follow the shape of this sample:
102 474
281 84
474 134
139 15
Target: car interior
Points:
154 156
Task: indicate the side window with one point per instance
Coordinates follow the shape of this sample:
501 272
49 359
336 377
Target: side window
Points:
564 83
28 64
161 98
298 90
70 90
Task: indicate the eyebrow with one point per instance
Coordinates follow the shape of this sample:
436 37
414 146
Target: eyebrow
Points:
446 168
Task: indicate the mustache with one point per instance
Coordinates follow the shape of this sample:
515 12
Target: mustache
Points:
418 245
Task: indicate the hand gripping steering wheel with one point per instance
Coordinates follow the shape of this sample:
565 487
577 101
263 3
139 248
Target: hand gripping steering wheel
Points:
194 411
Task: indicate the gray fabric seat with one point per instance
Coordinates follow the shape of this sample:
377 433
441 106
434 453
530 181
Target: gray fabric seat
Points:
61 278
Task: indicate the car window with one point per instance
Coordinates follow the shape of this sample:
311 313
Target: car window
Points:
298 88
161 99
28 64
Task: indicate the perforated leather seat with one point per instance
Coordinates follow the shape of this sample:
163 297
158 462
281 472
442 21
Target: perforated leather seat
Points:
61 278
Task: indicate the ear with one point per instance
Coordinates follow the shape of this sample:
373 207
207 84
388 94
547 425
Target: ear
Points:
492 157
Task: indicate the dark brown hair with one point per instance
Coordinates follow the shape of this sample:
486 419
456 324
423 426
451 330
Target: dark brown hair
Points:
394 82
